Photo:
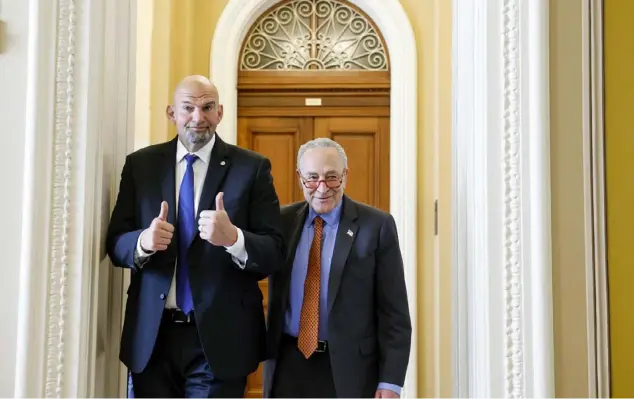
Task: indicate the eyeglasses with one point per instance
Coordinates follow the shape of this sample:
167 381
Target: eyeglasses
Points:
331 182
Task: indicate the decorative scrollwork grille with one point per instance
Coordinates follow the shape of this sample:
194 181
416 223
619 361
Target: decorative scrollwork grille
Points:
314 35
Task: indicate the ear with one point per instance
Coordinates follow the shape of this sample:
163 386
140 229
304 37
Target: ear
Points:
220 112
299 179
169 111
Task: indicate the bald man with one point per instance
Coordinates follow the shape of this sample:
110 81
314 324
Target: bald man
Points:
198 222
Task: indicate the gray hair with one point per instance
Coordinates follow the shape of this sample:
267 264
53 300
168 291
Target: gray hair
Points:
322 142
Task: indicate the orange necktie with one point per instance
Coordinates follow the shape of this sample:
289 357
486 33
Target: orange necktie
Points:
309 319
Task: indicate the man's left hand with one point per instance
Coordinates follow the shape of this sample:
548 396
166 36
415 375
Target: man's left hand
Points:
216 227
385 393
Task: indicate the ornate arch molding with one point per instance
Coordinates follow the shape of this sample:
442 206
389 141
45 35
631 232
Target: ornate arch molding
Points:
391 20
315 35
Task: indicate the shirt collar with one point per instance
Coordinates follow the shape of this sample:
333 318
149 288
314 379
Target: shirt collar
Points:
204 154
331 218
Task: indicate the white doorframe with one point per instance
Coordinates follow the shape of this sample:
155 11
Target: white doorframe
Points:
80 118
501 203
393 23
594 200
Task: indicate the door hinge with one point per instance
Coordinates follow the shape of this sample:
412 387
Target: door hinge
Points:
436 217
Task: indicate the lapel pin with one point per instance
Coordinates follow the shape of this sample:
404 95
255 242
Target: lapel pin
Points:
222 163
350 233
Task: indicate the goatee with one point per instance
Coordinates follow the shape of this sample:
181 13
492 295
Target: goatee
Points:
199 137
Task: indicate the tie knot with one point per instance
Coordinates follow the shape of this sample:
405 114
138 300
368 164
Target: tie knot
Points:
318 222
191 158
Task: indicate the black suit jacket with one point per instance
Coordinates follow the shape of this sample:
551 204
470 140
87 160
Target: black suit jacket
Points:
369 327
227 299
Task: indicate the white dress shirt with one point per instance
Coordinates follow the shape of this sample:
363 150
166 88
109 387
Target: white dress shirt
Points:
238 251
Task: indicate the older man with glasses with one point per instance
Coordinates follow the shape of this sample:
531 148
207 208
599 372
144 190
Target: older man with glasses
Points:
338 321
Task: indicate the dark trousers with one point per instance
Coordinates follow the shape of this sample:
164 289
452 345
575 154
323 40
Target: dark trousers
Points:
298 377
178 368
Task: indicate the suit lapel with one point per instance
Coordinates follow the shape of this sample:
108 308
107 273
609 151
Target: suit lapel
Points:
218 165
296 234
168 182
346 234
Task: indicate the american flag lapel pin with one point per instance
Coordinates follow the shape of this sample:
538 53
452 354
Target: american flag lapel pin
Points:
350 233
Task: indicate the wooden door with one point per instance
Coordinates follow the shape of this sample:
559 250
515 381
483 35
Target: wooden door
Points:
278 139
367 145
366 141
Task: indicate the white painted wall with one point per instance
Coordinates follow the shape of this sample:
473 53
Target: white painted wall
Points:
14 28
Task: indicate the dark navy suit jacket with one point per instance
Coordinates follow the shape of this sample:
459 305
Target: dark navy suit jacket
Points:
227 299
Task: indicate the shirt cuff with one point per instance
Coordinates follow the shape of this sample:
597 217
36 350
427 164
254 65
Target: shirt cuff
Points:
238 251
394 388
140 256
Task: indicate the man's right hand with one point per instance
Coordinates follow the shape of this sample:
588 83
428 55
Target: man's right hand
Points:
159 235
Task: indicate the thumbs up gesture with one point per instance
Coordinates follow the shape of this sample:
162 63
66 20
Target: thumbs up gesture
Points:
215 226
159 235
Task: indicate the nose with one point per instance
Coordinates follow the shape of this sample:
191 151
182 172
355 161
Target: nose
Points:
197 114
322 187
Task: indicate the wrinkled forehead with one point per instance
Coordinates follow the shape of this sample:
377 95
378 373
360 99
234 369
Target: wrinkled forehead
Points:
321 161
197 95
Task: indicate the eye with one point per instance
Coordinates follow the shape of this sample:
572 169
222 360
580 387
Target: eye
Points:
188 108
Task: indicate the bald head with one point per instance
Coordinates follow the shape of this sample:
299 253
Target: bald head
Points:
196 111
195 84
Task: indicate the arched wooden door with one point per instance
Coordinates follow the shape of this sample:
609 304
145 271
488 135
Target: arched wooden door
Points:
316 68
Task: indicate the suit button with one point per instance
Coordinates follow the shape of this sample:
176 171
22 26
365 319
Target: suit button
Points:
162 296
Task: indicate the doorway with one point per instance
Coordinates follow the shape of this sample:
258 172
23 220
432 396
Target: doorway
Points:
364 137
394 86
309 70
